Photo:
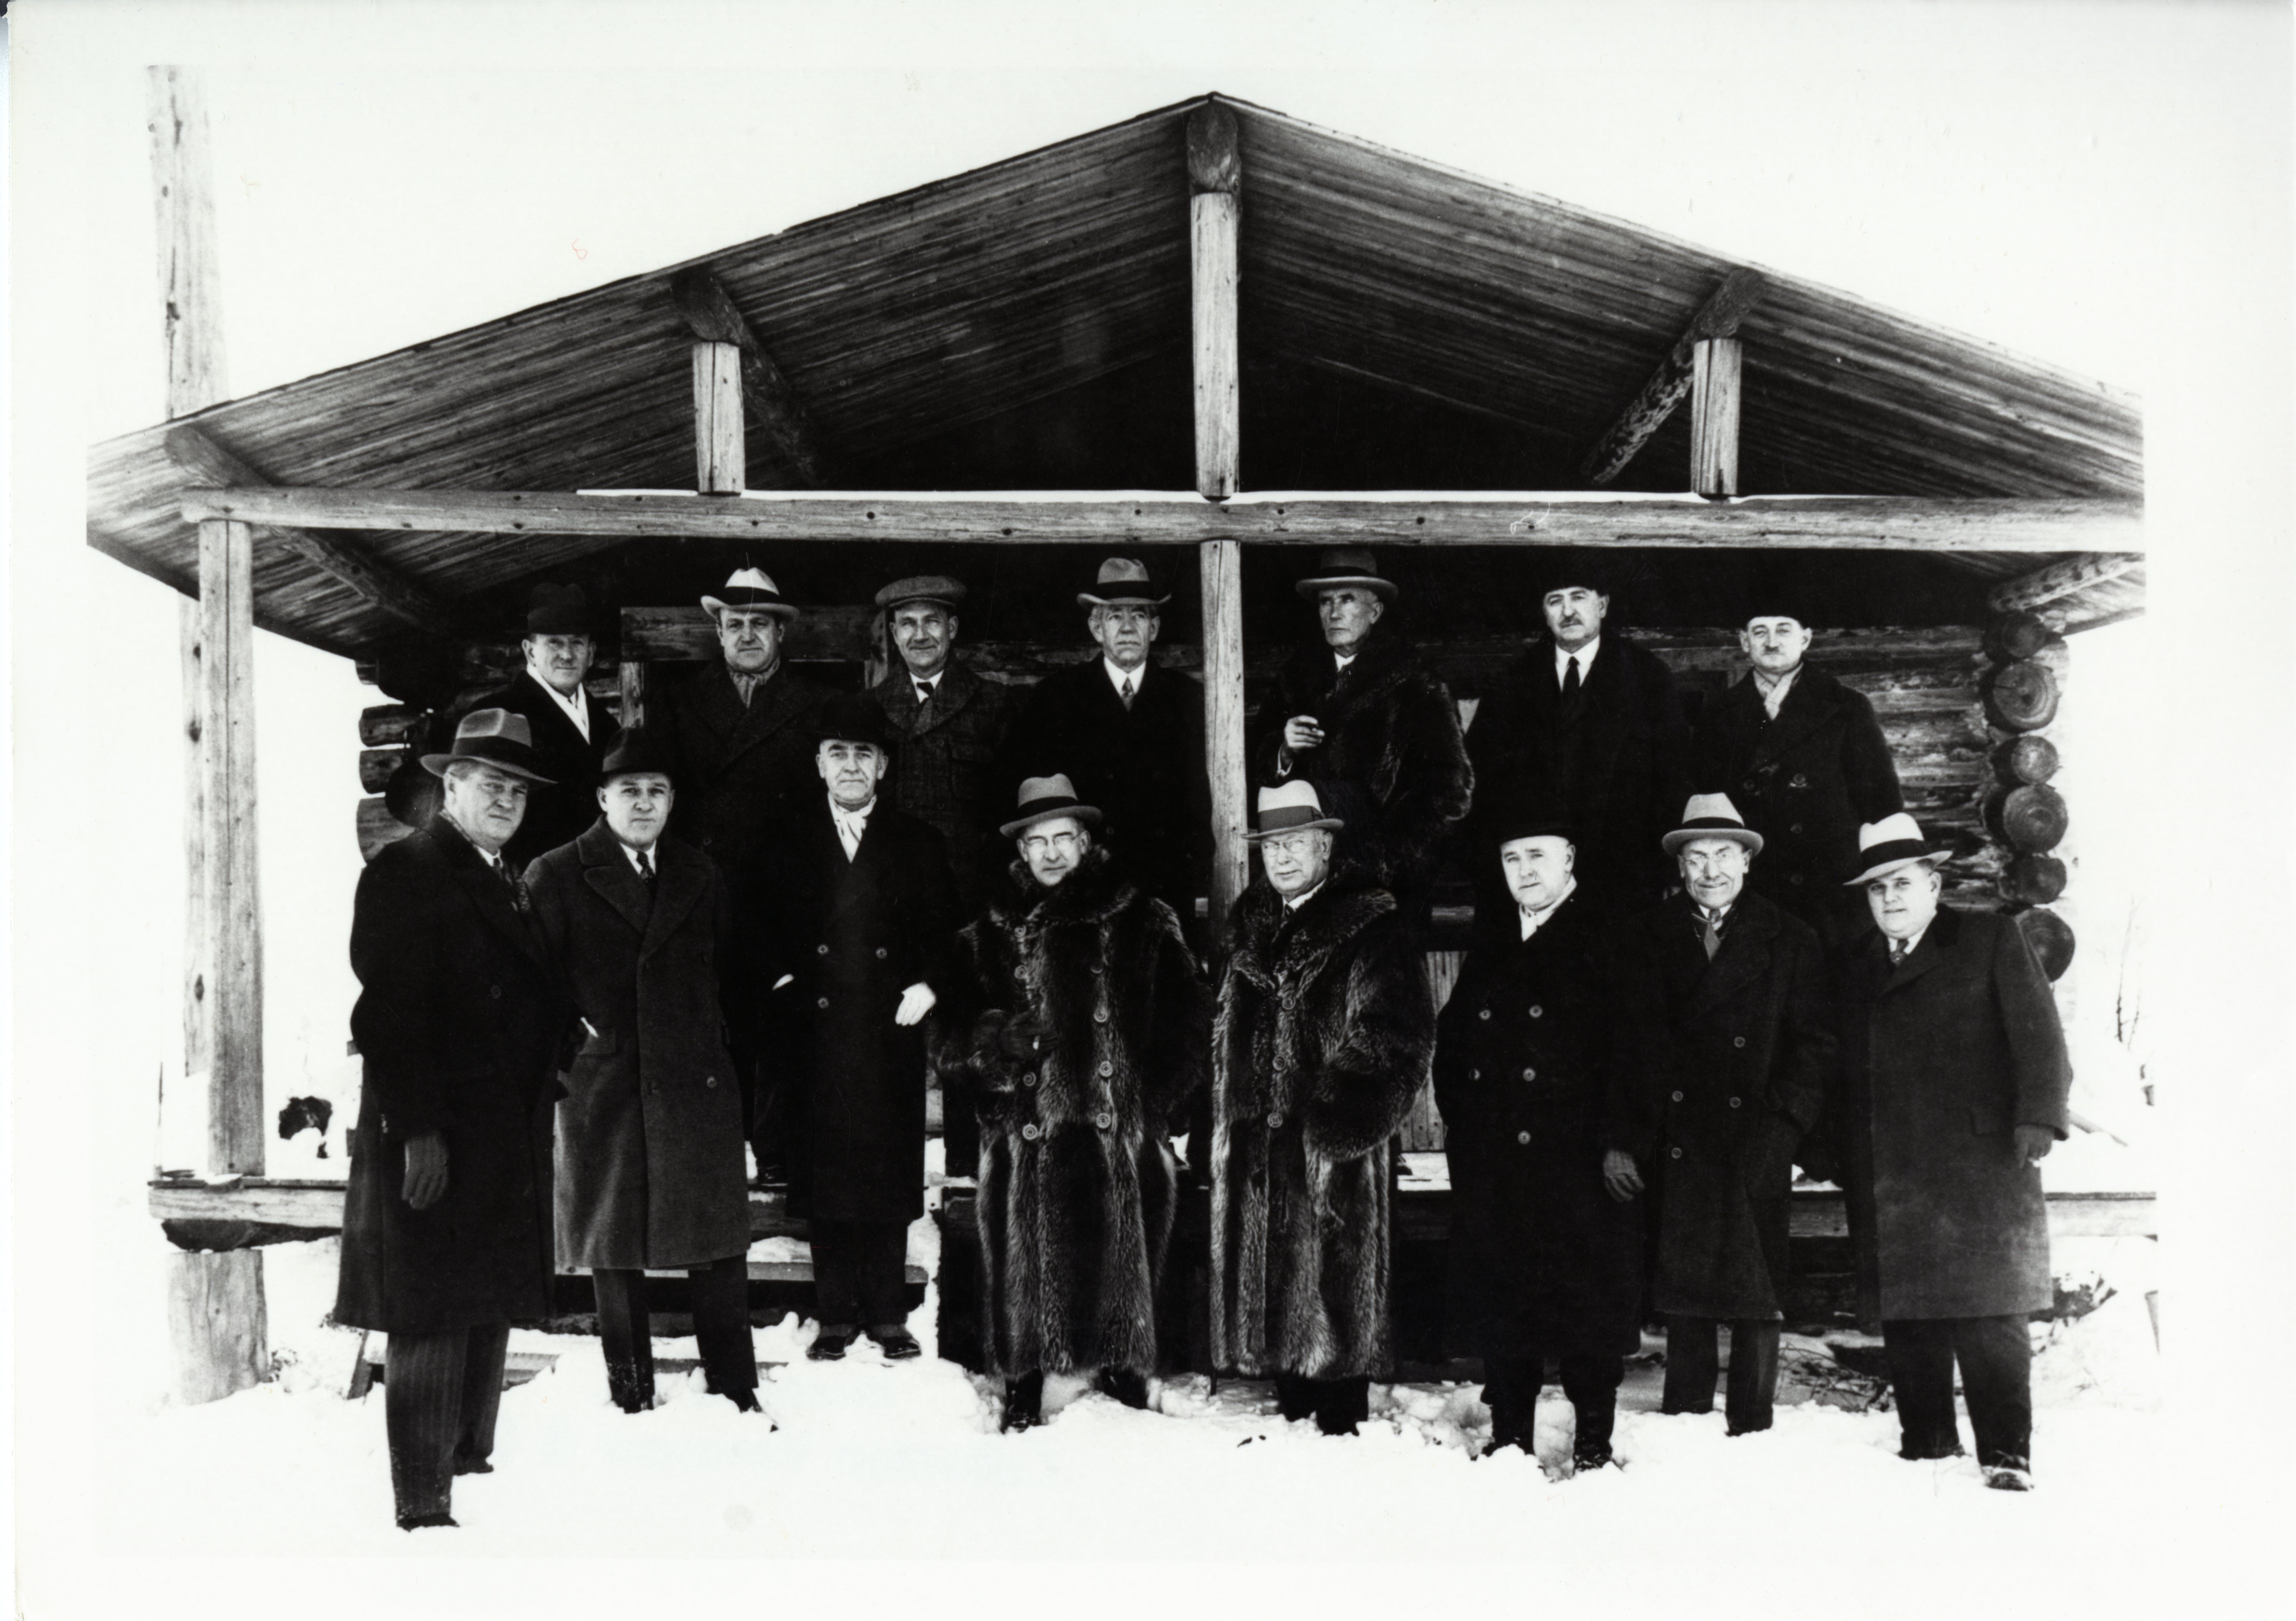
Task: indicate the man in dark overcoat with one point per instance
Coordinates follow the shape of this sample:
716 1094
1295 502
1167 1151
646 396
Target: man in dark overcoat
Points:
1364 719
1080 1026
446 1217
1130 735
571 735
859 925
1526 1074
1733 1047
1321 1045
1803 759
1592 725
740 743
649 1168
1955 1086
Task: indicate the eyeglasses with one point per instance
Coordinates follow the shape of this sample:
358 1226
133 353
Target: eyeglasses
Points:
1039 844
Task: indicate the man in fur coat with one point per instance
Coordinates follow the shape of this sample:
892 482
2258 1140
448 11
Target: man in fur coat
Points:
649 1167
1364 720
1319 1049
570 734
1080 1031
1727 1018
1527 1071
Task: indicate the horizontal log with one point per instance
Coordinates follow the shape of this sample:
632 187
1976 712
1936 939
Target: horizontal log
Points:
377 828
2022 696
686 634
2061 580
375 767
1878 523
2034 819
2017 636
316 1206
1423 1214
2033 880
384 725
2029 758
2050 938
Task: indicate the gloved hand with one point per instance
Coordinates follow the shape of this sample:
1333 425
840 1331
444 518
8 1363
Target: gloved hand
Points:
426 1170
916 1001
1620 1175
2034 1143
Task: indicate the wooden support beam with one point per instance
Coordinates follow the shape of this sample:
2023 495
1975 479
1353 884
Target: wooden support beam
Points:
1738 292
2061 580
712 316
1221 565
1215 170
1855 523
346 558
634 690
720 461
215 1301
1714 417
232 974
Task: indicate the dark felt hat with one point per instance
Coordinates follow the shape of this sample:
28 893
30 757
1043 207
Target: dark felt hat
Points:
1773 590
633 752
495 737
1346 566
1585 567
852 717
1529 815
557 610
1048 796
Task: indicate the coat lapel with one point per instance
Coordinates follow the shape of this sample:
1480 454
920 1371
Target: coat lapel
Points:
610 874
487 890
554 732
1606 697
1937 945
1806 707
957 689
1743 959
682 879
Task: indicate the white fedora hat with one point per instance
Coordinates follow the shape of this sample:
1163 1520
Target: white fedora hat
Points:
1288 809
1712 816
750 588
1884 846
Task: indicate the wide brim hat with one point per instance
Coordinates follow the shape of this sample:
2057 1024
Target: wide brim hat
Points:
1894 842
1043 798
1712 816
1123 579
1528 817
635 751
923 587
495 737
752 589
1346 566
852 717
557 610
1291 808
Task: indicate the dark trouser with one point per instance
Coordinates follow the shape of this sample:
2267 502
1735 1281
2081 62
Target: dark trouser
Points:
1339 1405
856 1272
1511 1390
720 1297
440 1393
1996 1378
1693 1357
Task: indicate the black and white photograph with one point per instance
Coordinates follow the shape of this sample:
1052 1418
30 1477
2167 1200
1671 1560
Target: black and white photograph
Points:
1350 808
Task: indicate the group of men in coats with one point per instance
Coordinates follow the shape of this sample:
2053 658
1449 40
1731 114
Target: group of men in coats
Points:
613 958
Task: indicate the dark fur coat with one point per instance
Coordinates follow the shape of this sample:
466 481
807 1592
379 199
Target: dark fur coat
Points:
1080 1033
1323 1040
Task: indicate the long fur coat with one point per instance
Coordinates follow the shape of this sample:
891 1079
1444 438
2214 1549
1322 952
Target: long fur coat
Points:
1323 1037
1080 1033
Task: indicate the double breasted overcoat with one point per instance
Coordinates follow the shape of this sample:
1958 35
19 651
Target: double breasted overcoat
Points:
1804 782
1528 1070
649 1167
1143 767
738 766
842 939
1616 766
1323 1038
945 768
457 1023
557 812
1081 1031
1393 763
1943 1056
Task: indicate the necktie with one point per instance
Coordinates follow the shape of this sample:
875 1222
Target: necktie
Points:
1711 936
924 700
1569 679
518 898
1124 691
1896 952
645 869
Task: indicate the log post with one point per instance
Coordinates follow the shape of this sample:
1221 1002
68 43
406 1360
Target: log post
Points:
1221 562
1714 417
2028 816
215 1299
721 463
634 691
233 969
1215 172
1718 317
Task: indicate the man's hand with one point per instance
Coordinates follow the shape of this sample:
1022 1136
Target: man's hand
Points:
916 1001
426 1171
1302 732
1620 1175
2034 1143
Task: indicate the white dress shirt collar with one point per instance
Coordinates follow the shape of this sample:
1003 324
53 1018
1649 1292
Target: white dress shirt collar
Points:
1532 922
1293 903
632 853
1118 676
576 708
1585 655
1342 660
931 681
851 825
1912 945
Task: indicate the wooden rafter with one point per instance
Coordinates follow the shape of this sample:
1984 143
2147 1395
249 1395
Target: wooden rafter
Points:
2061 580
1668 386
712 316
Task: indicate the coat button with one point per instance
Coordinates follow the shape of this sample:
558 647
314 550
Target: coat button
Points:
1530 1074
710 1080
1107 1068
1734 1103
1098 970
1537 1011
1796 879
495 991
880 953
1100 1015
821 950
1677 1097
821 1001
1032 1130
1797 827
1737 1041
1104 1120
1274 1119
1485 1013
1029 1079
1523 1138
1676 1153
1474 1074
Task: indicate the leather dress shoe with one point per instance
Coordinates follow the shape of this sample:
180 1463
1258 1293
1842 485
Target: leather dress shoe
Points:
1125 1385
417 1522
2010 1475
828 1345
897 1341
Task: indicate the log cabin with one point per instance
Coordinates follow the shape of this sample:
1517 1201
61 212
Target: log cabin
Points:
1212 330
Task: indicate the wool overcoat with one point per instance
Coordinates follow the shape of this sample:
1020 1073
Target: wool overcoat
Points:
850 936
945 768
1082 1030
458 1022
1943 1056
1732 1060
738 767
1393 762
650 1170
561 811
1528 1067
1617 769
1324 1037
1804 782
1143 767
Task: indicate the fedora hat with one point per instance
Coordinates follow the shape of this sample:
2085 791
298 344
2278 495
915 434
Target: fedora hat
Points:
852 717
1526 816
557 610
635 751
1042 797
1775 591
921 588
1346 566
1712 816
1884 846
1585 566
1288 809
750 588
1123 579
495 737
